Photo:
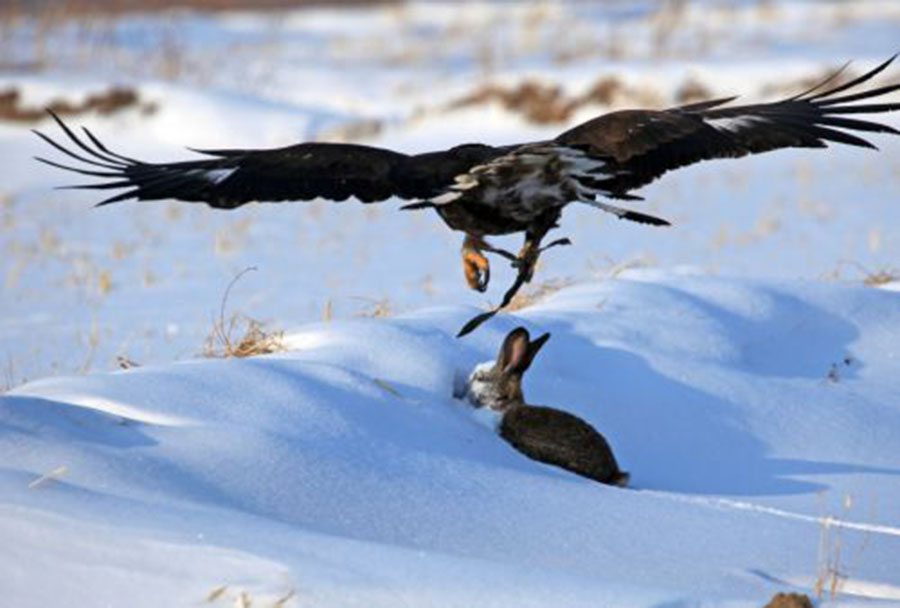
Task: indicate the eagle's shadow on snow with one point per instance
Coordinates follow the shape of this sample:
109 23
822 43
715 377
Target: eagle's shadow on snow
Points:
670 436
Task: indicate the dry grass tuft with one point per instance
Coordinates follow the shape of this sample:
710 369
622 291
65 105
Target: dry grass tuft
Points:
614 269
216 593
794 86
356 130
50 477
379 308
243 599
877 278
387 387
116 99
831 576
537 102
692 91
543 103
9 375
835 559
541 291
117 8
284 599
255 339
125 363
537 293
881 277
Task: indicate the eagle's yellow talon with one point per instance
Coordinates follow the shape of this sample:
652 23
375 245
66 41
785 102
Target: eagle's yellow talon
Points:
477 270
475 266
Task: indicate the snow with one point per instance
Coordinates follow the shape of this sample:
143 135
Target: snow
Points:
740 369
301 471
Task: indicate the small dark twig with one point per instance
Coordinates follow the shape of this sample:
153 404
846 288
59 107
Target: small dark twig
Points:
477 320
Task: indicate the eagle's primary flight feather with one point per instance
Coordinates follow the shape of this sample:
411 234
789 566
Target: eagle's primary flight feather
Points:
484 190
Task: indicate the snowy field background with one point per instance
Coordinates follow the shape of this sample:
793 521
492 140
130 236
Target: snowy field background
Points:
743 363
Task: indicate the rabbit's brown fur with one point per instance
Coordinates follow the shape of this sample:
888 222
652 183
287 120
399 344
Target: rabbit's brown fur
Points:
544 434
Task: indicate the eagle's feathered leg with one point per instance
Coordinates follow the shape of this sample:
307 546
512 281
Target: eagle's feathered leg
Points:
528 256
531 250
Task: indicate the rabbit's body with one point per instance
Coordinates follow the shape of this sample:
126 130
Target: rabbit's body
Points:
544 434
556 437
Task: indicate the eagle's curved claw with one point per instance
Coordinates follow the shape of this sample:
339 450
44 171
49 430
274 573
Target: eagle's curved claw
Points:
477 270
476 267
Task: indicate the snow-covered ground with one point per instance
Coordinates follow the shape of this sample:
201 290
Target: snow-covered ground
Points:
745 376
748 412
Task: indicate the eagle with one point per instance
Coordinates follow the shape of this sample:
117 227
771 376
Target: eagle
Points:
483 190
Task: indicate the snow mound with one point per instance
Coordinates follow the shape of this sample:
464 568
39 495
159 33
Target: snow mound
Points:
344 471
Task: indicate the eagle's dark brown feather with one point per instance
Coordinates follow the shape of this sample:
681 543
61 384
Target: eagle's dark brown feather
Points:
484 190
300 172
630 148
644 144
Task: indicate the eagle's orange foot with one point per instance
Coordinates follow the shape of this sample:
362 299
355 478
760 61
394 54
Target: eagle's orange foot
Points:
477 269
475 266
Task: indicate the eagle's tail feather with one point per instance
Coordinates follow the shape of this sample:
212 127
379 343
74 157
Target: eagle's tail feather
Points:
627 214
418 205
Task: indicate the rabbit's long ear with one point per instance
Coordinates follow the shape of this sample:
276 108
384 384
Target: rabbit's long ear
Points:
533 349
513 356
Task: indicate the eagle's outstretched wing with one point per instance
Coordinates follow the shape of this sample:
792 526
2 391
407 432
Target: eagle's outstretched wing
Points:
300 172
641 145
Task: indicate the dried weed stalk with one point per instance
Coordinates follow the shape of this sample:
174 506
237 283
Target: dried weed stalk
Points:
877 278
538 293
380 307
116 99
222 341
833 563
542 103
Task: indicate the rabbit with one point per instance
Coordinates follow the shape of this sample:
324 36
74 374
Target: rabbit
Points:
544 434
